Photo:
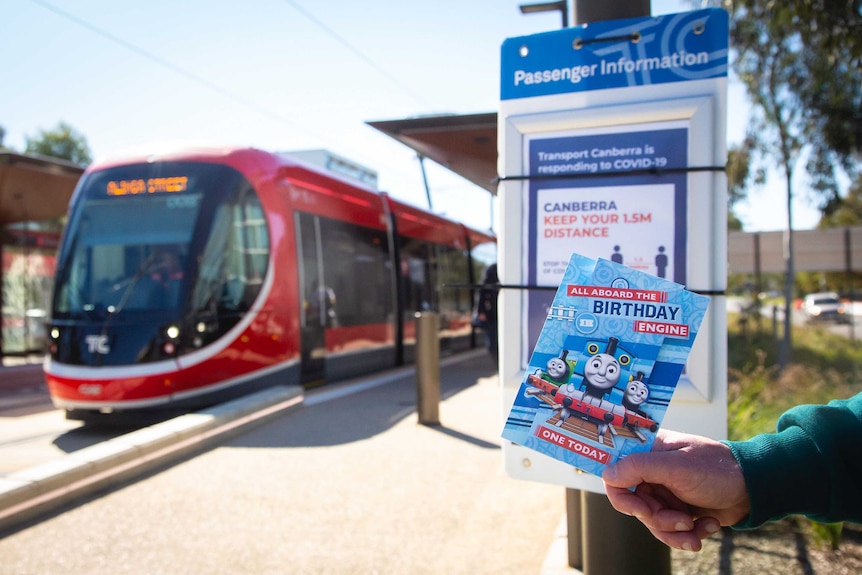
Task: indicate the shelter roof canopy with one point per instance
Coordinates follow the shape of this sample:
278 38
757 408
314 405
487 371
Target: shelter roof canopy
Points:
34 188
465 144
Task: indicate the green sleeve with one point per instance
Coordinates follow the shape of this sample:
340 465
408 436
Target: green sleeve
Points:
811 466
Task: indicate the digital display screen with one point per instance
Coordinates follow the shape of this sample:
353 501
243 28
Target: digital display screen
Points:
173 184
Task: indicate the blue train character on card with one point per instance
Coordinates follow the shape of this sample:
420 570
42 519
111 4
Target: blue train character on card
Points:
580 389
636 394
602 366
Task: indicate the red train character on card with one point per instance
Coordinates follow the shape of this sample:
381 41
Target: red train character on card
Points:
605 414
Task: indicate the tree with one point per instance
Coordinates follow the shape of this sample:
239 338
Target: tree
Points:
767 64
847 211
2 136
830 34
800 63
741 174
62 142
822 41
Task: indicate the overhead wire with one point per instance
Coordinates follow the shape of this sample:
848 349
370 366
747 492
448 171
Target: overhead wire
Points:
356 52
215 87
222 91
165 63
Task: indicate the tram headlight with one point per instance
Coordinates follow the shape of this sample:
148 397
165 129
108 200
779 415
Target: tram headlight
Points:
54 335
172 332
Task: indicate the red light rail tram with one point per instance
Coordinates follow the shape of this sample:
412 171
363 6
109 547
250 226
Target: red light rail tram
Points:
185 279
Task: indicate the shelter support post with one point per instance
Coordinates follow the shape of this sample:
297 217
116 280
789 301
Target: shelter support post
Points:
427 368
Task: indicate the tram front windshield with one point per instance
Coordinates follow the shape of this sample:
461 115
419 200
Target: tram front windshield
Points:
130 253
130 239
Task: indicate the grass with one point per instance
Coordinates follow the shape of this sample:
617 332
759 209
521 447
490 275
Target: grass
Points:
823 366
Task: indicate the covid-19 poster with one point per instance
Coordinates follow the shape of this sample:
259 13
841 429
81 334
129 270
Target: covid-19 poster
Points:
618 194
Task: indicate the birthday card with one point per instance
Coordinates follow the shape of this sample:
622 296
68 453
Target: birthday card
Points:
605 365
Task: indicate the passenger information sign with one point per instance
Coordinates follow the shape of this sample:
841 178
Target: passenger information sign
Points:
616 54
612 145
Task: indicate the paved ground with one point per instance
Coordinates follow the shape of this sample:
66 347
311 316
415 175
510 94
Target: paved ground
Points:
352 485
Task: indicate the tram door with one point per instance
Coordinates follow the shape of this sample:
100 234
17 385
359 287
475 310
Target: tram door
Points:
313 303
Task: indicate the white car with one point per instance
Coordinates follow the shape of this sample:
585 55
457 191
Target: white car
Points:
824 306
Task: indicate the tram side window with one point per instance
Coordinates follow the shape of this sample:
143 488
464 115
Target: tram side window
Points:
482 255
453 268
417 274
313 303
356 270
235 258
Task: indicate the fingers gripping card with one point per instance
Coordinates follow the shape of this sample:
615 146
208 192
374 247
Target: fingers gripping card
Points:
605 365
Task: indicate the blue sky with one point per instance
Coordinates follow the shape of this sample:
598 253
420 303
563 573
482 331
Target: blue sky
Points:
282 75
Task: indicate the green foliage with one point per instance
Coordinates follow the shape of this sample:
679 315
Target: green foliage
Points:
825 366
848 285
846 211
829 533
829 33
63 142
740 175
767 63
801 63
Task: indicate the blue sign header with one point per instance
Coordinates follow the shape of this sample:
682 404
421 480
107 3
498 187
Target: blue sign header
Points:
616 54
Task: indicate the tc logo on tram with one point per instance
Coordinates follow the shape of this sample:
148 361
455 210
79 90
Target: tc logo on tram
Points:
98 344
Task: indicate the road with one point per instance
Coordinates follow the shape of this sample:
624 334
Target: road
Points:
775 315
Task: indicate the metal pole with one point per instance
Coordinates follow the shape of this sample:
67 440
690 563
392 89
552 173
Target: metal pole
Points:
617 544
427 368
848 286
574 518
562 6
587 11
613 543
757 273
425 181
775 322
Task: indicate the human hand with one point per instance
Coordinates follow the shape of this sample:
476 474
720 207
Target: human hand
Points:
686 488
